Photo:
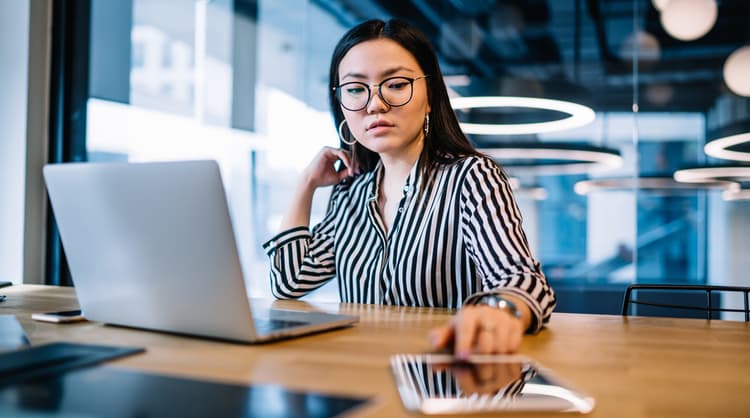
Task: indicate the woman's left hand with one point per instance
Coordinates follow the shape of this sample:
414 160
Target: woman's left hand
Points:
482 329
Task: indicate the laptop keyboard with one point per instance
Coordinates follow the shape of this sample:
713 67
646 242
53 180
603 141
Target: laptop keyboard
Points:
267 326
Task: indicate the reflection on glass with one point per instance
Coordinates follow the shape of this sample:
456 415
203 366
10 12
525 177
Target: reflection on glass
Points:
12 335
107 392
246 83
440 384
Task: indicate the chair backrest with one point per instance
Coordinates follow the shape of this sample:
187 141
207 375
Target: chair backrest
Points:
683 304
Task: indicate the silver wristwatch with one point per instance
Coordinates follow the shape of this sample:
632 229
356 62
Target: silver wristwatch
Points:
499 302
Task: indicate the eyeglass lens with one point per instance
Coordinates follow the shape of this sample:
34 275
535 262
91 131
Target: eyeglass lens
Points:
395 91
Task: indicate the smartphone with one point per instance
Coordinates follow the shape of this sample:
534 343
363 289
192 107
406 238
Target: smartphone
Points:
59 317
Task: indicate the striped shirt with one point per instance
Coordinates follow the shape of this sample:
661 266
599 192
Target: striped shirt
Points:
454 239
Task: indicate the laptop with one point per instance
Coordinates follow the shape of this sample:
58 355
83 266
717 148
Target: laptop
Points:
151 245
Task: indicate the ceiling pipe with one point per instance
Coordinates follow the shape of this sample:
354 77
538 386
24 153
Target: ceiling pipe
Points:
452 37
595 13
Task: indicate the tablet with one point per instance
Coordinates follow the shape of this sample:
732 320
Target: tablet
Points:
441 384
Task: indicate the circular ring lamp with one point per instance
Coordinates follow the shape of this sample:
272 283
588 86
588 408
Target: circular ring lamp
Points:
665 185
735 174
741 194
532 193
688 20
552 159
528 192
579 115
722 147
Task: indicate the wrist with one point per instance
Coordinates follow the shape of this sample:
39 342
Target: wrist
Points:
306 182
306 186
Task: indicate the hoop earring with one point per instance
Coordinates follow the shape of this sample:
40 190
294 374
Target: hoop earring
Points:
341 134
426 124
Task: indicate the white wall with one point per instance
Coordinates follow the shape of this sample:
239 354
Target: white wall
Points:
14 34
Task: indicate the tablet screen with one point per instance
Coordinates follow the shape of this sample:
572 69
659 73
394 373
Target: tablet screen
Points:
440 384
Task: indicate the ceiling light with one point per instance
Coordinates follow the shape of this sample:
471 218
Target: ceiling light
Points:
688 20
552 159
657 184
741 194
457 80
719 148
737 71
531 193
643 45
659 4
579 115
527 192
659 94
735 174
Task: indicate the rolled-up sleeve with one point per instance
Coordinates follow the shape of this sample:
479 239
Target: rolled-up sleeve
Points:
302 261
492 232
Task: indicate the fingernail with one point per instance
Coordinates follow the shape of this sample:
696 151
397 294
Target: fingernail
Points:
463 354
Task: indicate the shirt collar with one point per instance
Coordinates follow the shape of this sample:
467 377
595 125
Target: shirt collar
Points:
376 174
412 181
410 186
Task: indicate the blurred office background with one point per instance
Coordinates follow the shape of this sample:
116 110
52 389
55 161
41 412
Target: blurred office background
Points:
244 82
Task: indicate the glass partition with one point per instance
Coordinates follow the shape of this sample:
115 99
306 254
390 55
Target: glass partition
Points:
244 82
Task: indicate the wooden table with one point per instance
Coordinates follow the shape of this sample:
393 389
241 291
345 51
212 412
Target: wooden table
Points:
633 366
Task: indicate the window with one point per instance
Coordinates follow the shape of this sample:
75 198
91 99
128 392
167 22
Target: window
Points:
14 19
230 81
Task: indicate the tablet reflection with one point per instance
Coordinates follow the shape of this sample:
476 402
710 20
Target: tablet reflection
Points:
439 384
497 379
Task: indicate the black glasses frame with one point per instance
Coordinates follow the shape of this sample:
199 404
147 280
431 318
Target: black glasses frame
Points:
369 88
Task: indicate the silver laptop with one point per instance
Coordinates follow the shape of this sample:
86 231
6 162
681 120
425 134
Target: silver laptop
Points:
151 245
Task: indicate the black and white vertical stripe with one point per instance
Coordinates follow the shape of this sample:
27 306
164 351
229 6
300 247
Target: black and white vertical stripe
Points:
425 379
453 240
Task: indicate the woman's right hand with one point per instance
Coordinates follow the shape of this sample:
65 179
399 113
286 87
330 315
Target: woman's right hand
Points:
321 171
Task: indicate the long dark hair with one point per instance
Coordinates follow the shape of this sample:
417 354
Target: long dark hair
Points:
445 142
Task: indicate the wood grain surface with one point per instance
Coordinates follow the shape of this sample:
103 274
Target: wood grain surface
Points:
632 366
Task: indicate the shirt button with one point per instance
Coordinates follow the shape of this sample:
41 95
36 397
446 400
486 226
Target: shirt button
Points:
406 189
400 210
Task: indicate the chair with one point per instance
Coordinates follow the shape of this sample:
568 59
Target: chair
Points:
712 292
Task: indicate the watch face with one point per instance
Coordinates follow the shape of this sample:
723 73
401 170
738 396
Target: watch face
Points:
510 307
498 302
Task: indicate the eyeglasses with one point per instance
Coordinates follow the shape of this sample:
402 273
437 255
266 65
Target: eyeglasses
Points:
395 91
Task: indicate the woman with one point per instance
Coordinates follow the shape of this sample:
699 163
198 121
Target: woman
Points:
417 216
